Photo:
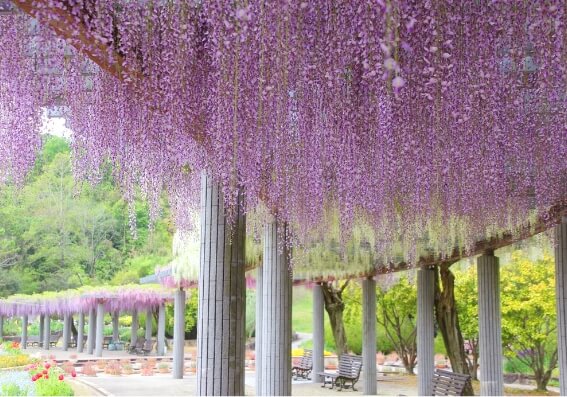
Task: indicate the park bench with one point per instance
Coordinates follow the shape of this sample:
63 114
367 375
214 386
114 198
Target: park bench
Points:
137 346
349 371
33 340
54 338
146 349
447 383
106 341
305 365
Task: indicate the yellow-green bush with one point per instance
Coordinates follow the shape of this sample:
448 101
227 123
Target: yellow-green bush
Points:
14 361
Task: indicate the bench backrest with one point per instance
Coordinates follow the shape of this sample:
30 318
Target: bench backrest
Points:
350 366
307 358
447 383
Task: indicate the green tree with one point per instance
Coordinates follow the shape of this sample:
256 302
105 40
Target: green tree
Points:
397 306
528 315
466 296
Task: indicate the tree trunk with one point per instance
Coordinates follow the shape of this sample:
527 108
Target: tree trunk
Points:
335 306
448 322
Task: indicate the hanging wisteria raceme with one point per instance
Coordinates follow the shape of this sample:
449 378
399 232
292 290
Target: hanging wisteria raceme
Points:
436 123
116 298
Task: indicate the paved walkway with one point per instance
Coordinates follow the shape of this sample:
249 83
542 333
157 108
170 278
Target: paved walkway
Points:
163 384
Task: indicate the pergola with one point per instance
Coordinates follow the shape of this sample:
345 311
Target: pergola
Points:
94 302
439 126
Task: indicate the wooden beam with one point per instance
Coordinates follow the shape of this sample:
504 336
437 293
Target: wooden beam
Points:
70 28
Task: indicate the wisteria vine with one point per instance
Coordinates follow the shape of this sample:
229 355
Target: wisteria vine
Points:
436 121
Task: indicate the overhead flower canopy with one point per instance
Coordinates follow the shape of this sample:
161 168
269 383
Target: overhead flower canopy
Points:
115 298
435 124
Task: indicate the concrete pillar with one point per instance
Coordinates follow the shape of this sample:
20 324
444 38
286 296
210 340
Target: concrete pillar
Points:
258 328
369 336
99 329
92 331
489 326
80 332
134 328
161 330
561 300
66 332
41 323
425 330
318 333
115 331
149 324
276 313
178 334
24 341
46 331
222 295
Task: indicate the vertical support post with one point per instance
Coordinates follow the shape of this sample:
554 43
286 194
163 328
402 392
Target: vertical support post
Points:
99 329
425 330
276 318
92 331
66 332
222 295
161 330
489 325
318 333
134 328
115 331
81 333
561 300
179 334
369 336
258 330
24 340
148 328
46 331
41 323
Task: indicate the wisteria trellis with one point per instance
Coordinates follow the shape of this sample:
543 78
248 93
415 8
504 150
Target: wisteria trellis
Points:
417 117
114 298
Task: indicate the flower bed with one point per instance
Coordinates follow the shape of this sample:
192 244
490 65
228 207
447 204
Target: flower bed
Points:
11 356
49 380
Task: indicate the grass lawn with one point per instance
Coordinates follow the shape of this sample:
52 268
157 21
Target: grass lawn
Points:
302 310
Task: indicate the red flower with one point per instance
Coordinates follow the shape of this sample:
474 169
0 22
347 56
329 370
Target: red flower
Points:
46 376
44 372
74 374
61 377
47 365
39 376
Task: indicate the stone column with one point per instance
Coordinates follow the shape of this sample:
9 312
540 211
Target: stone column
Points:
258 329
24 342
80 332
134 328
222 295
369 336
46 331
92 331
149 324
489 325
318 333
161 330
115 331
179 334
99 329
41 323
66 332
276 313
425 330
561 300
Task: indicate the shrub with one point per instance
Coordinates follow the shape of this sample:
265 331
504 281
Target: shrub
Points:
14 361
49 381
